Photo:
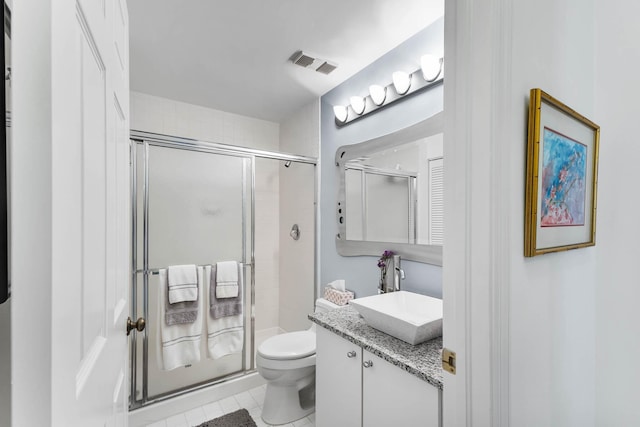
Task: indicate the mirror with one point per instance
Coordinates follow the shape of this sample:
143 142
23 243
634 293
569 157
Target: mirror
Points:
391 194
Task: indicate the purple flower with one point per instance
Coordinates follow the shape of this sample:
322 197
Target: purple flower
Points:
385 256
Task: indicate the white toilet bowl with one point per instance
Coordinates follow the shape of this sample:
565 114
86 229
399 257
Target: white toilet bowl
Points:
288 363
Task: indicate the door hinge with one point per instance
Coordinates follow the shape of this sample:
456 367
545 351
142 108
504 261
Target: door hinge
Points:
449 360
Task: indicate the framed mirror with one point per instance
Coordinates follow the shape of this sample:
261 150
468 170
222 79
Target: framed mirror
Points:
391 194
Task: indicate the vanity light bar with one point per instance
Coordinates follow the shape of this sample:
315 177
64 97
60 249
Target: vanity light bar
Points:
430 74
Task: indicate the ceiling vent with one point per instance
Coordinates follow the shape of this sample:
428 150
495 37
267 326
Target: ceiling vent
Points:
306 60
326 68
303 59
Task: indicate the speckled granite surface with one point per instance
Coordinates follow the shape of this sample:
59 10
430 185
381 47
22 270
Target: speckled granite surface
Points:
422 360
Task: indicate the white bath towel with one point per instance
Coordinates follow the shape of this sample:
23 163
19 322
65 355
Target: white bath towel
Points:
225 335
226 279
180 343
183 283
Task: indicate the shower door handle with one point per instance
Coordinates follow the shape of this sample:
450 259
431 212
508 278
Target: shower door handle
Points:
137 325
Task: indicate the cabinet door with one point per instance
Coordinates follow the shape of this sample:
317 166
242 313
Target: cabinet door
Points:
338 381
393 397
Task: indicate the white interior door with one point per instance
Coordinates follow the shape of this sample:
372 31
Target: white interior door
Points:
90 212
70 213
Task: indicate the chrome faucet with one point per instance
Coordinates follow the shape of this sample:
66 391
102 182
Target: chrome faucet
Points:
398 273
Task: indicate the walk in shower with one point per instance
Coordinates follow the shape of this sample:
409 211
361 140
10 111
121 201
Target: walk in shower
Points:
200 203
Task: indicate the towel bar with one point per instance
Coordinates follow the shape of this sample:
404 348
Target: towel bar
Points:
156 271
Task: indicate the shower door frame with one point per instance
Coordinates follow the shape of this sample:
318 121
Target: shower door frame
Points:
148 139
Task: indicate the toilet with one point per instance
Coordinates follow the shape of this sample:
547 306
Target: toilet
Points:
288 363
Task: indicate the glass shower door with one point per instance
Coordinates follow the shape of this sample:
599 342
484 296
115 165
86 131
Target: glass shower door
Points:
197 206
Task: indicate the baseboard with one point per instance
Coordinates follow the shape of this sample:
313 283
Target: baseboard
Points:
164 409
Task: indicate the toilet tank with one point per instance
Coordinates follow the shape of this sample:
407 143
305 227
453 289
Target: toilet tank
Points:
323 305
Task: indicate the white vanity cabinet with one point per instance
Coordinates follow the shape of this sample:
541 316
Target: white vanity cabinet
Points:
355 388
338 381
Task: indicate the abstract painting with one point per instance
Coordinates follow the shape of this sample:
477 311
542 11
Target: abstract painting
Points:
564 171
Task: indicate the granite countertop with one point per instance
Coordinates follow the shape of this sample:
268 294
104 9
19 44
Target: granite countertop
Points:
422 360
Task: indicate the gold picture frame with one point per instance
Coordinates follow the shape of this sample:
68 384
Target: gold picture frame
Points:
562 177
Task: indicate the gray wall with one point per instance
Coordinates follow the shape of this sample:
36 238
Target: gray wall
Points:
361 273
5 364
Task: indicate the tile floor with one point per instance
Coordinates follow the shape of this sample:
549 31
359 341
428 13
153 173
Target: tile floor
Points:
250 400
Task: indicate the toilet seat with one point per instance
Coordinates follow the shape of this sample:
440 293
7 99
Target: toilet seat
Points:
285 365
289 346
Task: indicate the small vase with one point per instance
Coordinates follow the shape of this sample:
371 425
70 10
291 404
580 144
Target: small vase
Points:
382 288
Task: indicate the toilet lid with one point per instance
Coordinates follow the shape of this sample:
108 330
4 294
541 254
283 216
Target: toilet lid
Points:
292 345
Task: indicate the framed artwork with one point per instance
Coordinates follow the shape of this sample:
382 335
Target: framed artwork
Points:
562 177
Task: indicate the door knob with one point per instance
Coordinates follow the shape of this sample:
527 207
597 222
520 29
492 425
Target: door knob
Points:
367 364
351 354
137 325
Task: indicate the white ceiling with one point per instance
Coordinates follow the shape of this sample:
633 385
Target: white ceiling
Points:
233 55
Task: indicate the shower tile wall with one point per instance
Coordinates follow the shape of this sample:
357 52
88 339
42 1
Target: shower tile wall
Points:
160 115
267 229
299 134
169 117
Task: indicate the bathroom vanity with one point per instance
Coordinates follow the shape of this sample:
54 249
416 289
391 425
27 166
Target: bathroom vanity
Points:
366 378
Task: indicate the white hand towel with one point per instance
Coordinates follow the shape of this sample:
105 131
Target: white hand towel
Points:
223 307
180 344
227 279
183 283
225 335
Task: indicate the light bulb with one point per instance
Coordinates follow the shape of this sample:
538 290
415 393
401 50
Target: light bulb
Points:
378 94
402 82
341 113
358 104
431 67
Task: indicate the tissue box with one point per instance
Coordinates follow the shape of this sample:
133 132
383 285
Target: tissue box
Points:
337 297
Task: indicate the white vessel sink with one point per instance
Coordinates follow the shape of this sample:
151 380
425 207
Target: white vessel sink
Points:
408 316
